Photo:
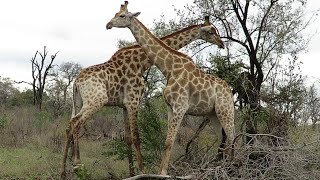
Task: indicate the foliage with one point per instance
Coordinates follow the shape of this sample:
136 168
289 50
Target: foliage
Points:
152 128
7 91
257 34
311 106
124 43
286 91
154 83
224 68
59 87
82 173
42 118
152 134
22 98
3 121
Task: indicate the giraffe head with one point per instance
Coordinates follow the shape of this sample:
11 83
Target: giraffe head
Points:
210 33
122 19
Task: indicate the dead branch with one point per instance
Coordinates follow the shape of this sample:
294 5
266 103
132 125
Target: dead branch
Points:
20 82
155 176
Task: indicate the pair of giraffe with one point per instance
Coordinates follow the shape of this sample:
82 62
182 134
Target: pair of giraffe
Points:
119 82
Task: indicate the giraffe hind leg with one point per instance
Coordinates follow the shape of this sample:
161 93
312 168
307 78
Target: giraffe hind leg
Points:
86 112
226 119
69 132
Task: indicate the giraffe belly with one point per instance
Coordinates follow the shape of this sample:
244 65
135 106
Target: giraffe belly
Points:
201 109
115 101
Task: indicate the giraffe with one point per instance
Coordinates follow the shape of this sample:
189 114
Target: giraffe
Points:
189 90
119 82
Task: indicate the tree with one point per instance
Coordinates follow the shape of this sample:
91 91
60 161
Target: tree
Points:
22 98
59 87
312 106
7 90
257 33
40 70
284 96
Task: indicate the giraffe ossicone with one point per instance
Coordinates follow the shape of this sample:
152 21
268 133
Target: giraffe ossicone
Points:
189 90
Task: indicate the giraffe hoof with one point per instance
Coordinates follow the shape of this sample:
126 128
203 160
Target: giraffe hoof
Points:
78 167
163 172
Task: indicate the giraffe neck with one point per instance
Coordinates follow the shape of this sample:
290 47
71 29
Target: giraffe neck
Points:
157 52
183 37
175 40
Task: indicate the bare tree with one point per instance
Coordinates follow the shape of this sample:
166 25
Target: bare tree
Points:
40 69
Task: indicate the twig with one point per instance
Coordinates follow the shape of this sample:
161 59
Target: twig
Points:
295 148
280 148
254 135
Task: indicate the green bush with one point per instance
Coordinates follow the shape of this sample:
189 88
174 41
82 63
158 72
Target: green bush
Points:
82 173
3 121
152 132
152 135
41 118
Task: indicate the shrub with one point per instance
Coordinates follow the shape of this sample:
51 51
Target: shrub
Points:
3 121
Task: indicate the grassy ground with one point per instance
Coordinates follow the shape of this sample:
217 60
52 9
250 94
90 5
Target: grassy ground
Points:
28 163
32 162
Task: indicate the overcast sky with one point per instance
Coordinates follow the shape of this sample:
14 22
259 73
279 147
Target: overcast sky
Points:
76 28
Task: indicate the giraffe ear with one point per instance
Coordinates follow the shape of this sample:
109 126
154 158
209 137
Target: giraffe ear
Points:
205 28
206 20
136 14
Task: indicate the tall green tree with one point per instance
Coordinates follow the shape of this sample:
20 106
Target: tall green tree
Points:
257 33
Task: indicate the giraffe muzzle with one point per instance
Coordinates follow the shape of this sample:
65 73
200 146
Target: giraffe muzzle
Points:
221 46
109 25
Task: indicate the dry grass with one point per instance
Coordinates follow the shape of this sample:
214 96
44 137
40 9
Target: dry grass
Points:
31 148
257 161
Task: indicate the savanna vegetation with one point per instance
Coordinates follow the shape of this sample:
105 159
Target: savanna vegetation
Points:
277 109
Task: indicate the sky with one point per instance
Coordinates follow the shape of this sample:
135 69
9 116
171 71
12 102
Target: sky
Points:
76 28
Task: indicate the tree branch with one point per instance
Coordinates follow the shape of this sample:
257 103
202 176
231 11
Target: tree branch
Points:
263 21
20 82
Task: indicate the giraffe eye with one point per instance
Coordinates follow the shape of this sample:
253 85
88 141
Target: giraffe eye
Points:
122 15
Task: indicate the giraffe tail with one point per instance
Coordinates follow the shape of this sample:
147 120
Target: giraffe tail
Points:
77 101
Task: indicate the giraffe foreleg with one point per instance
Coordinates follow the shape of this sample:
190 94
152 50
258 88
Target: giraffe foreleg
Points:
175 117
132 115
128 140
